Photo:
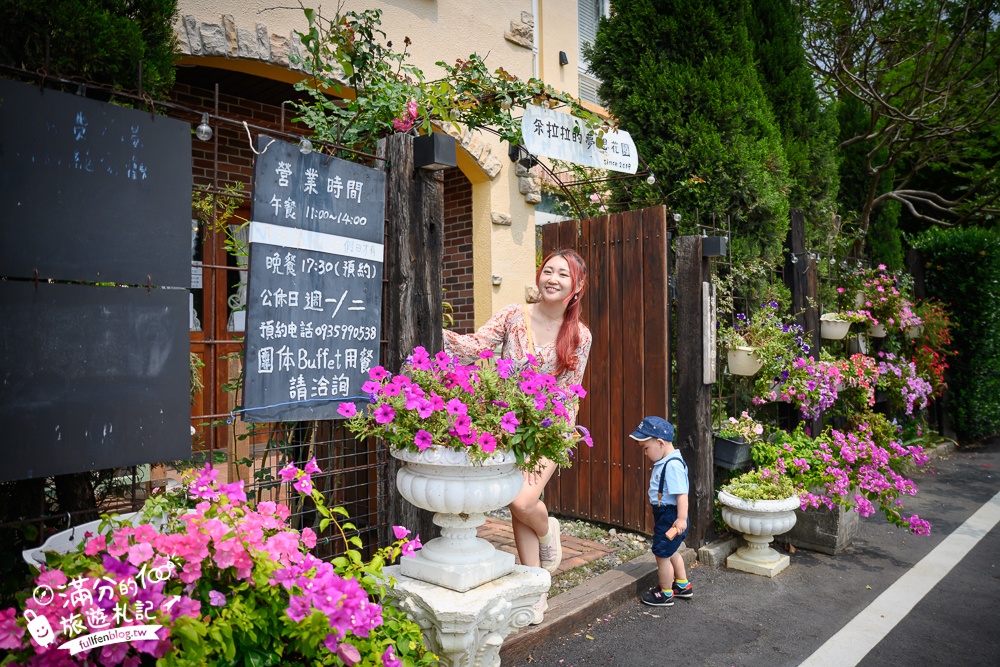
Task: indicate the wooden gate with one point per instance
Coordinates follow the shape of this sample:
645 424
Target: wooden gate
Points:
628 375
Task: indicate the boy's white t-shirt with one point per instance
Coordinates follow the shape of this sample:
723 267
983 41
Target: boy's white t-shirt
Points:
674 483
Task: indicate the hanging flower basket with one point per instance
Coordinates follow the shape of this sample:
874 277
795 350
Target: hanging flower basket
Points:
915 331
877 331
832 327
743 361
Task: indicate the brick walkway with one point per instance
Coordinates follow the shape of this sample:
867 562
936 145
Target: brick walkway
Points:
576 552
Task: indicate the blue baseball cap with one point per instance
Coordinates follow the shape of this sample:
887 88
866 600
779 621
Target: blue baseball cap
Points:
654 427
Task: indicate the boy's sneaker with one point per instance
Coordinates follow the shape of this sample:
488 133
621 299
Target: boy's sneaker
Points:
551 552
686 592
654 597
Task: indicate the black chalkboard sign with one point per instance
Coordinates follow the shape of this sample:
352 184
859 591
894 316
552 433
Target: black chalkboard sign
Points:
89 190
92 377
314 293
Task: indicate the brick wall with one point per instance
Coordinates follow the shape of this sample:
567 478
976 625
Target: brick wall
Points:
235 155
457 271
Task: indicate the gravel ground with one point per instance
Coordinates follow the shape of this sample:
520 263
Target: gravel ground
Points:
626 545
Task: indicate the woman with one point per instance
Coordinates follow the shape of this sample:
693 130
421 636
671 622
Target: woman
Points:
552 332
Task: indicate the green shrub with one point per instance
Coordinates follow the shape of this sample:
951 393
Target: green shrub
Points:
962 268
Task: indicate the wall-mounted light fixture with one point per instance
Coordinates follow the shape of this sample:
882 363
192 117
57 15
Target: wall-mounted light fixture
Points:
517 153
204 130
713 246
434 151
563 58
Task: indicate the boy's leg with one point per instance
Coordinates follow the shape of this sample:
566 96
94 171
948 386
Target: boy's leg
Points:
681 586
677 571
661 596
665 568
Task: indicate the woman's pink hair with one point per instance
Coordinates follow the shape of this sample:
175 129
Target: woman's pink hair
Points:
568 339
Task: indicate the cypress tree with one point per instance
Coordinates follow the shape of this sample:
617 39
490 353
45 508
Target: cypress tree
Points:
680 77
809 130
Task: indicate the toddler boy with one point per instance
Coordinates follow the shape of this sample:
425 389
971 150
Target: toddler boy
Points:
668 493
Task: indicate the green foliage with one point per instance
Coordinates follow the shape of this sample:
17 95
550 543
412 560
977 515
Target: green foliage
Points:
379 92
760 485
961 269
809 130
922 78
99 40
680 77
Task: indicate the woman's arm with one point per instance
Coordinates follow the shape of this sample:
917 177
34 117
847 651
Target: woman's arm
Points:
487 337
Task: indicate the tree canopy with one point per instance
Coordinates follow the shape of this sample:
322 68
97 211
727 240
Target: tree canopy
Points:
926 74
680 76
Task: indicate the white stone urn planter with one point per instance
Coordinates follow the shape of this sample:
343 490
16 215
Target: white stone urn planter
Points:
743 361
832 327
759 521
459 492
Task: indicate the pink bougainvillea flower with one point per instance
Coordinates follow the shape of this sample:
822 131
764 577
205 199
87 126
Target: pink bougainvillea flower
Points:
400 532
411 546
349 654
288 473
303 485
389 658
312 467
10 632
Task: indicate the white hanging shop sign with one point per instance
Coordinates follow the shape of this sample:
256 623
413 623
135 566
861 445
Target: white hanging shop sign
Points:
564 137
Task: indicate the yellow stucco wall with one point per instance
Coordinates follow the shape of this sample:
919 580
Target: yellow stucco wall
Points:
444 30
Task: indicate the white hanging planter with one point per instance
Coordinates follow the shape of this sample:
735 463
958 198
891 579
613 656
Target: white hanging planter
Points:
858 344
759 521
460 492
832 327
915 331
743 361
877 331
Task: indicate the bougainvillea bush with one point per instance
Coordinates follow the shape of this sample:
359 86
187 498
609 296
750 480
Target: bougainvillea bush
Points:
495 405
229 583
860 468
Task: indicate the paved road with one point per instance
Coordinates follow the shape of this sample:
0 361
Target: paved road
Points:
891 599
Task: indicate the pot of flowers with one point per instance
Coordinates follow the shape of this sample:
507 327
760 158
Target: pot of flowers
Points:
464 434
844 474
734 441
759 504
761 341
883 296
205 577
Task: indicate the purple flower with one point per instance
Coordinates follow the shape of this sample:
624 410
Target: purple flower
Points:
378 374
509 422
456 407
384 414
216 599
347 410
487 442
423 439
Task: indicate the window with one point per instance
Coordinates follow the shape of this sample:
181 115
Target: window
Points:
589 12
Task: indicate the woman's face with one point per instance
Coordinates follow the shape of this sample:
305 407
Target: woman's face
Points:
555 283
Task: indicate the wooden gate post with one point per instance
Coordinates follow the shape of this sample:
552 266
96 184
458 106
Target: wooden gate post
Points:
414 254
694 396
803 283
